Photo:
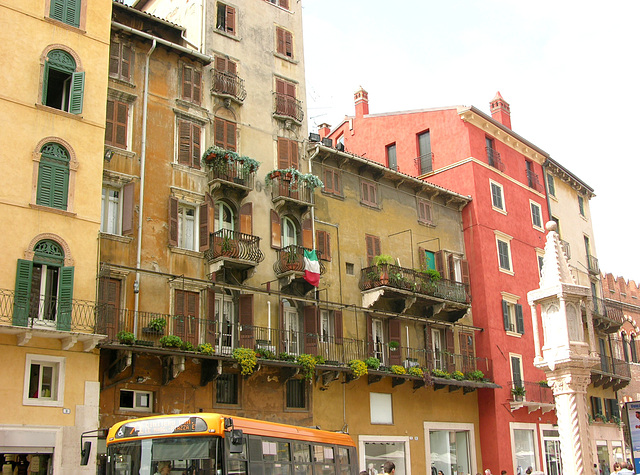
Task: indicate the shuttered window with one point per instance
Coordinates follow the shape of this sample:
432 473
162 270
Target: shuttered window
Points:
373 247
117 124
369 193
332 181
225 134
225 76
226 19
424 153
392 160
191 84
424 211
323 244
287 153
284 40
62 85
189 143
66 11
504 255
53 177
120 61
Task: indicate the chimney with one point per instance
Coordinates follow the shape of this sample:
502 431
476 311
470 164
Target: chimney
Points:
500 110
362 102
323 130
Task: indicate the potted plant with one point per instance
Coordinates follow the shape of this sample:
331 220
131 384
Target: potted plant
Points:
372 362
358 368
415 371
205 349
393 345
429 279
397 369
475 375
171 341
518 393
308 363
156 326
382 262
126 338
247 359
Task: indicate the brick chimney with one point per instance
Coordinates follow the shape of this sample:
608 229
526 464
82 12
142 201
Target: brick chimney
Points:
362 102
323 130
500 110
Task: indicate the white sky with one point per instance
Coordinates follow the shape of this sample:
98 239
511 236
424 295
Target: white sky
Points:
569 69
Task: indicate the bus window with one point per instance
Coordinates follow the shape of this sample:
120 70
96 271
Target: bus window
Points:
236 462
301 452
343 461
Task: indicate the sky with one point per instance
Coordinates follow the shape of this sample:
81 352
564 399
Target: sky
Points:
570 71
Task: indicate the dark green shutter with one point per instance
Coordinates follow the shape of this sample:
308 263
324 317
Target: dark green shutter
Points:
515 368
519 319
505 314
22 292
45 184
53 185
57 9
72 13
77 91
45 81
65 296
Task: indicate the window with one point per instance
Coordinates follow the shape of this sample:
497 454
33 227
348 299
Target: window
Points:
66 11
503 245
286 103
625 347
62 86
381 409
596 407
296 394
44 381
493 157
226 19
287 153
373 247
117 123
141 401
369 193
524 446
532 177
227 388
224 217
280 3
326 326
186 307
450 444
581 205
225 134
284 40
497 197
53 176
512 316
117 209
632 346
189 140
425 211
225 76
392 160
225 316
536 215
349 268
289 235
425 157
516 371
540 256
551 185
612 409
187 227
332 180
120 61
191 84
323 244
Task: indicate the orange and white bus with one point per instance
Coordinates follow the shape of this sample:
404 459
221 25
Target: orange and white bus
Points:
215 444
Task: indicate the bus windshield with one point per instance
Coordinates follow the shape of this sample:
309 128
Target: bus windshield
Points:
163 456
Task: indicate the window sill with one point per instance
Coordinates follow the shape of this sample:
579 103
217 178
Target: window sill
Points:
122 82
286 58
278 7
116 237
506 271
429 224
370 206
64 25
499 210
516 334
52 210
119 151
537 228
225 34
189 169
37 402
332 195
53 110
186 252
191 105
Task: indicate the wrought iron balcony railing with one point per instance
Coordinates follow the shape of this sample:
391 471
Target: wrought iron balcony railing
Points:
535 391
228 84
283 188
614 312
413 281
47 313
613 367
533 181
494 159
424 163
291 258
232 172
288 106
592 262
234 245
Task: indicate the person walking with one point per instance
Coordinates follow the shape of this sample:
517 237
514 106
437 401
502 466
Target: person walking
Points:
626 468
389 468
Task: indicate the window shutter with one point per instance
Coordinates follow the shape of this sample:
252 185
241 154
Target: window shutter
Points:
127 208
231 136
109 127
77 92
328 180
195 144
464 264
232 68
283 153
505 315
45 184
246 218
22 292
173 221
126 63
197 86
519 319
245 318
210 332
65 299
394 335
275 230
121 119
231 20
307 234
72 13
370 349
311 329
288 44
114 58
187 81
280 40
218 132
337 321
322 244
184 142
57 11
293 154
452 268
515 371
284 4
220 64
449 347
371 253
204 226
440 262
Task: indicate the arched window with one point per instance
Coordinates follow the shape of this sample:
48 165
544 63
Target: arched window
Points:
632 345
62 86
53 176
44 288
224 217
625 347
289 232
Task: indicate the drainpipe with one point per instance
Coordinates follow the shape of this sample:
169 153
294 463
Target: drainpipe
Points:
546 187
313 214
143 157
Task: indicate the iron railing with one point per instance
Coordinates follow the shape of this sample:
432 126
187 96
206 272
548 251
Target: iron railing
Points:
424 163
614 312
232 172
414 281
298 190
229 84
291 258
494 159
535 391
288 106
235 245
50 313
599 309
592 261
533 181
613 367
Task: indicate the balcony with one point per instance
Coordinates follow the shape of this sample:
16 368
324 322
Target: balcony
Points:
537 395
228 85
291 260
493 156
533 181
392 281
286 190
71 321
592 263
231 175
606 317
287 107
611 373
233 249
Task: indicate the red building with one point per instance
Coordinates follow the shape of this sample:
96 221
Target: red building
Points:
469 152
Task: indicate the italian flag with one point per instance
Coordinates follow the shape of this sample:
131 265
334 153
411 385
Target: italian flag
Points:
311 268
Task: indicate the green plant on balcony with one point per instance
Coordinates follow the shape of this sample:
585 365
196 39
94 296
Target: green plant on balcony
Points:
599 417
518 392
475 375
187 346
382 259
284 356
394 345
126 338
320 360
247 359
429 278
157 325
294 177
397 369
205 349
372 362
544 383
265 354
171 341
457 375
308 363
218 159
616 420
438 373
358 368
415 371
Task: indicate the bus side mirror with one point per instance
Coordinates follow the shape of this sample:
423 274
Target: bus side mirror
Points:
85 452
235 441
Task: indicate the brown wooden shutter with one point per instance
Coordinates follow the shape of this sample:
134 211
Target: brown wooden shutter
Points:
450 360
231 20
288 44
280 41
246 218
210 332
370 249
197 87
204 226
126 63
121 119
293 154
220 64
395 357
284 4
232 68
184 142
187 82
276 231
370 346
328 180
466 350
179 312
422 258
307 234
337 321
192 317
114 58
439 256
465 275
127 208
283 153
322 244
231 136
290 89
245 318
218 132
452 268
195 144
110 124
311 329
428 344
173 221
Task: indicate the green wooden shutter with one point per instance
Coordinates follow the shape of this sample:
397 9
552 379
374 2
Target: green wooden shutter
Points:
505 314
515 368
72 13
57 10
22 292
60 182
65 296
45 184
519 320
77 92
45 82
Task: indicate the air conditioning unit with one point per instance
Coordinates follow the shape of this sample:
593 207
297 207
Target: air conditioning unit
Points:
314 137
327 142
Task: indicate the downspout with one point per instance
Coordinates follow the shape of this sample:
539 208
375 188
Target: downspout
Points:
143 157
313 214
546 187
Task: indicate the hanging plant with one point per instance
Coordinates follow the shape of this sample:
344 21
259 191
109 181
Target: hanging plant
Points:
358 367
205 349
218 159
294 176
247 359
308 363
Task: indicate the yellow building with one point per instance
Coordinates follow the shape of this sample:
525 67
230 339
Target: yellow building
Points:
54 63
